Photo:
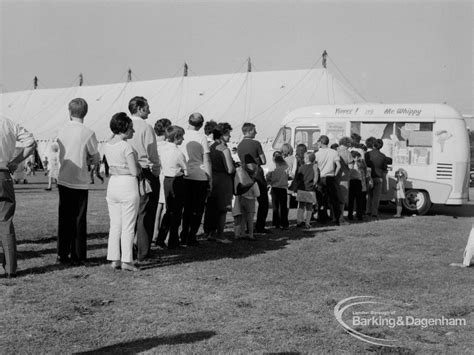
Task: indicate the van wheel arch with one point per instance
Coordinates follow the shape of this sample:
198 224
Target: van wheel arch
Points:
416 201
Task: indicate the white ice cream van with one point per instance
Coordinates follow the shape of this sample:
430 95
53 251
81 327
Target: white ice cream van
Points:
429 141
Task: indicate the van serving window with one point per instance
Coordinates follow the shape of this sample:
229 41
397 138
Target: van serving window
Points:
407 143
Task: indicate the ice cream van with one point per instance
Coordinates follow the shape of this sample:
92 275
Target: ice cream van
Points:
429 141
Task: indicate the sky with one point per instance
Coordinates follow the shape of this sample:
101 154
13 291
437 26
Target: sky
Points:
389 51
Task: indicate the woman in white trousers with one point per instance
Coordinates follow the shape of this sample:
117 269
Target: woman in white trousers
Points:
122 193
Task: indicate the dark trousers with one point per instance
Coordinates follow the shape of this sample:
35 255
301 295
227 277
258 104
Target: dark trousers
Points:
72 223
211 216
174 197
7 231
329 199
262 211
194 203
146 215
355 195
280 207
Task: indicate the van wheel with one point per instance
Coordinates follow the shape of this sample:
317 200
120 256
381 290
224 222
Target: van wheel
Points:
416 201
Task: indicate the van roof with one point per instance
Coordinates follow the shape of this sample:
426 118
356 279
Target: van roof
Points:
374 111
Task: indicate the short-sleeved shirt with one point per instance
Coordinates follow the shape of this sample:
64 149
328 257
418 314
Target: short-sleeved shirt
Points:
10 134
249 151
173 162
326 159
117 154
77 144
144 143
194 146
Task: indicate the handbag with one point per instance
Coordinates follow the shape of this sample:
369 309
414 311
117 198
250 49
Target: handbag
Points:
242 181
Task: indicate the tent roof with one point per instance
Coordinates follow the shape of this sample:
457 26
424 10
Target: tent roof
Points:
259 97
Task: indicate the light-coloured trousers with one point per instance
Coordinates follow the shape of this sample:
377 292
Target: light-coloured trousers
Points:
122 200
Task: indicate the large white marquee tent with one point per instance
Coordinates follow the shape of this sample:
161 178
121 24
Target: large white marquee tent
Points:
259 97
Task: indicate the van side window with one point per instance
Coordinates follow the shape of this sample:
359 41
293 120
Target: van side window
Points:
283 136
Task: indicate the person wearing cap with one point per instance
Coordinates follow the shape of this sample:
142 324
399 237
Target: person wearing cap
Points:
10 134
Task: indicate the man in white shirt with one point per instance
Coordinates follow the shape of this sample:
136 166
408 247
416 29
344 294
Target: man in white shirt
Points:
329 165
77 150
144 143
10 134
199 180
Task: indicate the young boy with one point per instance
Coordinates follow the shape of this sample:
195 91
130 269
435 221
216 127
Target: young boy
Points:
244 206
278 180
173 165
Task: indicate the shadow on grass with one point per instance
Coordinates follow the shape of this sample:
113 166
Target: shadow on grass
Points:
140 345
52 239
29 254
91 262
242 248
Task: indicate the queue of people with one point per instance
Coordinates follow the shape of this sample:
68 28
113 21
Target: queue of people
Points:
165 179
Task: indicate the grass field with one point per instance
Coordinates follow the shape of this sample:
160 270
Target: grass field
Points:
275 295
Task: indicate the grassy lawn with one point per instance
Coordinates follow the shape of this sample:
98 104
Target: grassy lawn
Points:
273 295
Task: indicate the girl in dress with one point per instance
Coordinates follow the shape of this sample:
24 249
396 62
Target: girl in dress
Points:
122 193
401 176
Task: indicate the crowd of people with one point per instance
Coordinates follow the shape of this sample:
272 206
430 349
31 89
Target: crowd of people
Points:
165 181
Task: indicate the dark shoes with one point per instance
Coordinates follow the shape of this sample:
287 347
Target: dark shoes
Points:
263 231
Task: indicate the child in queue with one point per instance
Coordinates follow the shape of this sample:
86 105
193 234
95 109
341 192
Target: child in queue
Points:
278 180
244 207
122 193
173 166
306 179
401 176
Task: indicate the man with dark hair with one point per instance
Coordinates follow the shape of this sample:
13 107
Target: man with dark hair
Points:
77 150
144 143
329 165
10 134
250 151
198 182
377 162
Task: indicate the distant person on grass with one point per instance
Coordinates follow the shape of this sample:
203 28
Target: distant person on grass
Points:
77 150
122 193
53 171
144 143
250 151
10 134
